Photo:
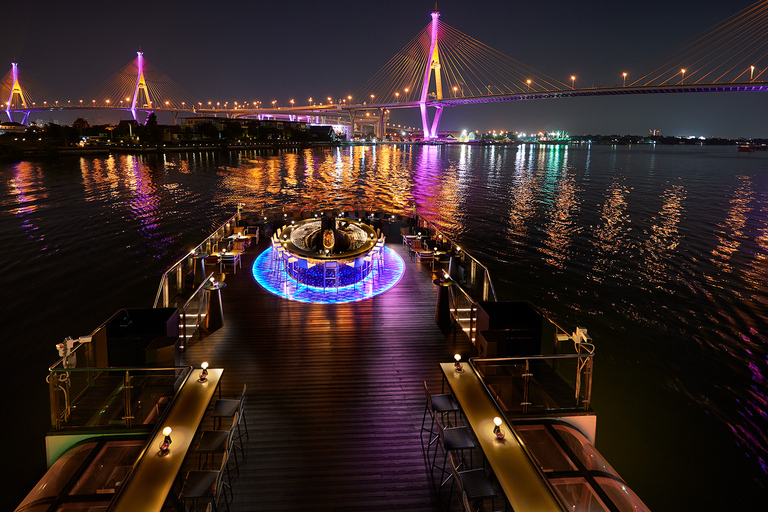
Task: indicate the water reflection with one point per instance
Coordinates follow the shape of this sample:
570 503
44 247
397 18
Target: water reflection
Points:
26 192
439 187
562 226
730 234
613 230
664 237
26 188
522 205
692 272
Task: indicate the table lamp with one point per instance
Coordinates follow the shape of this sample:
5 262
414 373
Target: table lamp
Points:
165 446
497 428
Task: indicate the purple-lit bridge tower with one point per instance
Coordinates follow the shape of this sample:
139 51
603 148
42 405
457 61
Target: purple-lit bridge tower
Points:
430 131
16 99
141 87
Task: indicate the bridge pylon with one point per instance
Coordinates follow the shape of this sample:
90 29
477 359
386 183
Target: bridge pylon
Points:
18 92
141 86
430 131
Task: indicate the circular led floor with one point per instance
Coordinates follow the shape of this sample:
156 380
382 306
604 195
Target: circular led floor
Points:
271 276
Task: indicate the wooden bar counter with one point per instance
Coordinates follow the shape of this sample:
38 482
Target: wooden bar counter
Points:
515 472
155 473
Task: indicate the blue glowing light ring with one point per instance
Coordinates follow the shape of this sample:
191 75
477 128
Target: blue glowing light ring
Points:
271 276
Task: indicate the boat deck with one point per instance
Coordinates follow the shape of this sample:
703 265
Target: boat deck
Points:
335 393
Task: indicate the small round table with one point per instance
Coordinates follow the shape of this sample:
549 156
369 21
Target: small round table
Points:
443 309
198 274
215 317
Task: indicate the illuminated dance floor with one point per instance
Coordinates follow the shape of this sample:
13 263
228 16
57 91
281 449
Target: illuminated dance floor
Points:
271 276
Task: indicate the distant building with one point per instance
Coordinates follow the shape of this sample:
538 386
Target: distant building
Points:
322 132
9 127
654 133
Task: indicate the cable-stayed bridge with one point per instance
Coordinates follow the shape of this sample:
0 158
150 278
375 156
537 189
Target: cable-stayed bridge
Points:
440 67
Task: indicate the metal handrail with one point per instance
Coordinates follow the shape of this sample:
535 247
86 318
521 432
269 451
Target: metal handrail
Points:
160 300
56 382
526 450
487 273
183 316
122 369
584 367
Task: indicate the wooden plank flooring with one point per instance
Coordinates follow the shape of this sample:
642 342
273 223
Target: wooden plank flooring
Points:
335 394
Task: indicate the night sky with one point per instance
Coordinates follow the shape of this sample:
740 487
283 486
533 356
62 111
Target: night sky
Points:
278 50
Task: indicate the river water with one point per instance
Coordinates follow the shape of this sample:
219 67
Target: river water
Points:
660 252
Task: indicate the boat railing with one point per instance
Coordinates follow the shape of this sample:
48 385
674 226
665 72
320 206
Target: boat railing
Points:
463 311
113 397
173 282
192 315
465 269
547 385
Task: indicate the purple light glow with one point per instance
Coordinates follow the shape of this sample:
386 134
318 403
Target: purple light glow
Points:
275 280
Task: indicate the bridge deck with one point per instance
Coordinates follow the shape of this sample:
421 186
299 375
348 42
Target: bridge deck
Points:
335 394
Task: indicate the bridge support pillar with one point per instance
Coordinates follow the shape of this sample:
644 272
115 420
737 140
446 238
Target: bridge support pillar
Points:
351 125
381 127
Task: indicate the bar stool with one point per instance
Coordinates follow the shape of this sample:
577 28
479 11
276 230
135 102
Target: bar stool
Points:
436 404
207 486
368 261
278 261
331 273
227 408
213 442
451 439
380 245
302 267
289 264
375 255
358 269
471 485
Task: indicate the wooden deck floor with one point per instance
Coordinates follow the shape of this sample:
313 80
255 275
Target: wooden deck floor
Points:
335 394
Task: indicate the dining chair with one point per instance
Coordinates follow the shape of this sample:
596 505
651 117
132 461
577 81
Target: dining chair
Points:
211 260
418 249
241 244
207 486
425 256
229 259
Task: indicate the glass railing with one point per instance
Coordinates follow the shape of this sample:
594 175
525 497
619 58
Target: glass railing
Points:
193 314
110 397
463 311
471 279
553 384
174 282
468 273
